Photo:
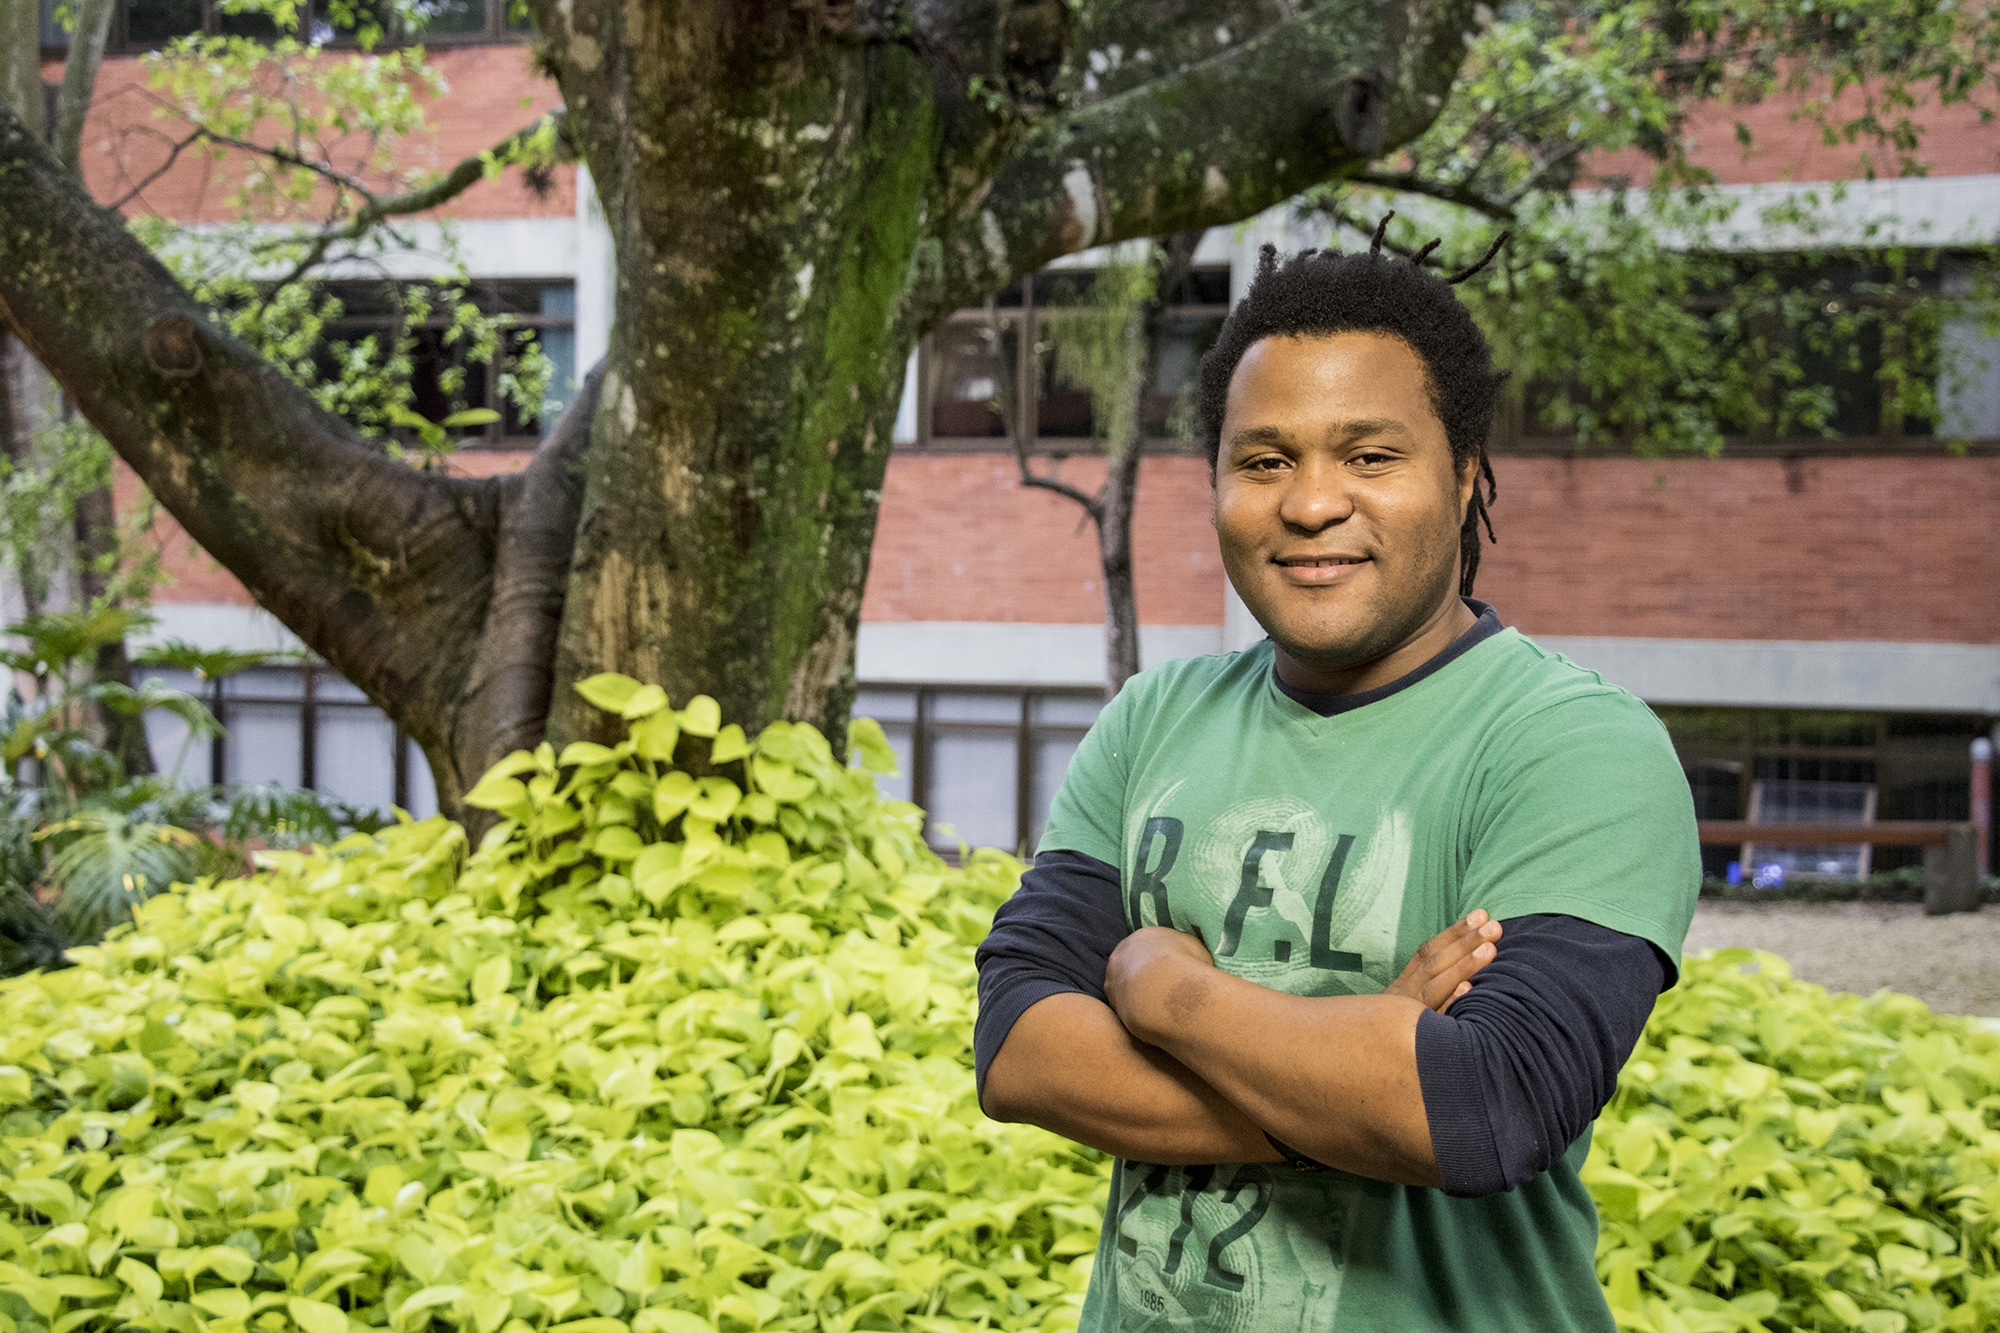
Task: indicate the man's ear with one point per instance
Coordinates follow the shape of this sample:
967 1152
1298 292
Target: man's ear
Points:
1468 482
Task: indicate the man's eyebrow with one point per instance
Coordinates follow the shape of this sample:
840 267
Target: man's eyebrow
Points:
1252 436
1364 428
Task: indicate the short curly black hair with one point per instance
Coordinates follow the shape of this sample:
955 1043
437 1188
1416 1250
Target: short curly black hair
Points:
1320 292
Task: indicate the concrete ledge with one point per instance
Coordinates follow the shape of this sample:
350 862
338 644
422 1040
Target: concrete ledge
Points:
971 652
1866 675
213 625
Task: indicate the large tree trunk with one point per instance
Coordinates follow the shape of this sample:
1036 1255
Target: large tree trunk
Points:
796 192
764 220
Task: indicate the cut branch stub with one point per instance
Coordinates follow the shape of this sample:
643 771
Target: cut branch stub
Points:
173 347
1362 114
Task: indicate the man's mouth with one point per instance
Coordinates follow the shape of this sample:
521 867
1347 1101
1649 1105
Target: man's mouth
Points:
1316 570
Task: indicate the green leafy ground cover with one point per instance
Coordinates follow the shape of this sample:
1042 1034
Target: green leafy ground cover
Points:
672 1054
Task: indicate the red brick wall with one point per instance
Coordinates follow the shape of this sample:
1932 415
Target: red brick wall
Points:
961 539
1954 143
1835 548
125 141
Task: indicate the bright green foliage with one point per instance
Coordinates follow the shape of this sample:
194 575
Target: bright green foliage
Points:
674 1052
668 1052
1778 1157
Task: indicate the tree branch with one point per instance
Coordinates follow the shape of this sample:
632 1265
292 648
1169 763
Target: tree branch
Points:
378 567
79 82
507 691
1317 96
375 209
1460 192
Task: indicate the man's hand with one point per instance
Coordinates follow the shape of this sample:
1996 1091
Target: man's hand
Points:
1441 970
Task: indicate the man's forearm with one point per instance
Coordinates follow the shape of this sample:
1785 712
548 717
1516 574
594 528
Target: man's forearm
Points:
1069 1065
1335 1079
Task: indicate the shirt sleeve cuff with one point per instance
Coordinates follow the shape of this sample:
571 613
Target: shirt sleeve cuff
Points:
1461 1136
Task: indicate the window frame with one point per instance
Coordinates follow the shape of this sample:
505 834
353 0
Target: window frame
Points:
1025 729
494 435
1033 317
310 701
493 31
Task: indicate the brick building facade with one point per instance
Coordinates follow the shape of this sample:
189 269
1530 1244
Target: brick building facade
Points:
1800 611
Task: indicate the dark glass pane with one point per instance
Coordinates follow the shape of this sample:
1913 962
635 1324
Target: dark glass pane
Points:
54 36
1183 342
1064 286
438 17
1202 286
366 21
155 22
1717 789
1940 796
258 26
1063 406
1827 730
1707 726
967 380
559 345
512 420
1797 770
430 360
1931 726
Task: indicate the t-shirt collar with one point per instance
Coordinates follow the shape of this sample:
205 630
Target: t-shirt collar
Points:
1328 705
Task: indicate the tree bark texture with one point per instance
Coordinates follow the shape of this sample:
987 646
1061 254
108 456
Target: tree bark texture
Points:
796 193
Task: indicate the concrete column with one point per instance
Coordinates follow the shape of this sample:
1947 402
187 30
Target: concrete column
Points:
596 289
1239 628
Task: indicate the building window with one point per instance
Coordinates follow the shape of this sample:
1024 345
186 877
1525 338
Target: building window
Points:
300 726
984 764
987 363
147 25
542 313
1795 764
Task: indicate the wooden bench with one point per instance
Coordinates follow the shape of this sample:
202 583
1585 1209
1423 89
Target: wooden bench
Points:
1951 881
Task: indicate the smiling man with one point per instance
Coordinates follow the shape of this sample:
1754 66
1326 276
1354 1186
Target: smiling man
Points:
1217 968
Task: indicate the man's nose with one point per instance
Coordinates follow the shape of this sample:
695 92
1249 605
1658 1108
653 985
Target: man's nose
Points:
1316 497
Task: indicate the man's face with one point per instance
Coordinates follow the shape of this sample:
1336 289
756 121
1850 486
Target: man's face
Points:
1336 502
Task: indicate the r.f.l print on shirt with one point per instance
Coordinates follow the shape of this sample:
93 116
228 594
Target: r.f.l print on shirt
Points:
1279 895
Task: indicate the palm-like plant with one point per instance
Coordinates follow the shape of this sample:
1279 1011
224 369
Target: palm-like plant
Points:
81 841
109 862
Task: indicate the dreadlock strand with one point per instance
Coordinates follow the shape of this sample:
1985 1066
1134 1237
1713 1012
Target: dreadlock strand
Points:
1492 494
1381 232
1484 260
1420 256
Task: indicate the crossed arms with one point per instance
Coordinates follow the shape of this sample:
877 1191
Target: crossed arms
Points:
1181 1063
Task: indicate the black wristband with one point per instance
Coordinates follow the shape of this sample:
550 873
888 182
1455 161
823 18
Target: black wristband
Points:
1299 1161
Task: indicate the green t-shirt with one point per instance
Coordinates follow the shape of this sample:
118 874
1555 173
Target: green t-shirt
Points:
1314 855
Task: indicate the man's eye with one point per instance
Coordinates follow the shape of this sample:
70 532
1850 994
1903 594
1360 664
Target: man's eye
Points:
1371 459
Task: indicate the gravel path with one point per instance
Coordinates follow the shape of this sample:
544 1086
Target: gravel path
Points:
1951 963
